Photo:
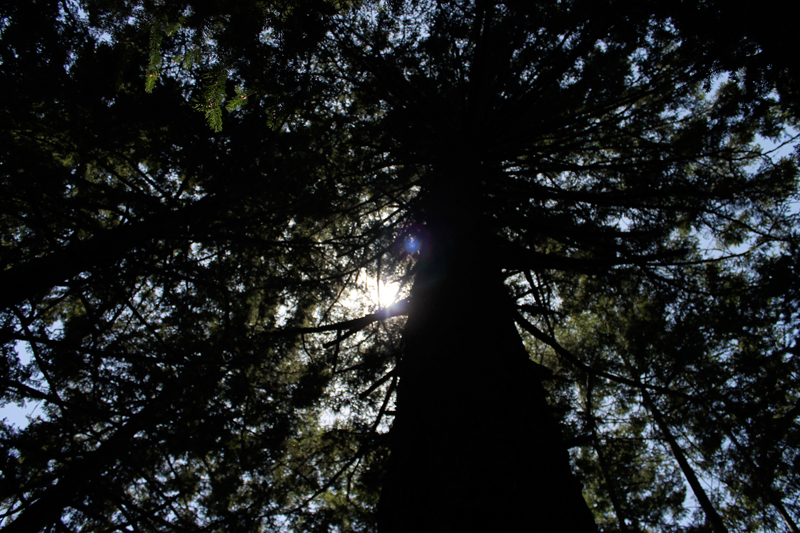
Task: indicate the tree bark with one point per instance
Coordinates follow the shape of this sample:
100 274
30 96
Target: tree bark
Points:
474 445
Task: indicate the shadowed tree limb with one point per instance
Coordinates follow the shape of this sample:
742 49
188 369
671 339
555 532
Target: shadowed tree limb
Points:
571 358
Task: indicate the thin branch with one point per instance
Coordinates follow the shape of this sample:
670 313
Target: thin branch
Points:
351 326
571 358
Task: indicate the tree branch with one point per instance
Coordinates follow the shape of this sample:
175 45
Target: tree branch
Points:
352 326
571 358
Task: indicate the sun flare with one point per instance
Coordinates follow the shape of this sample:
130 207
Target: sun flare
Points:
368 294
383 294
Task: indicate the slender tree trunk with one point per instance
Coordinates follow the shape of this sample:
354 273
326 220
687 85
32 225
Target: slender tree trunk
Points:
605 468
474 445
712 516
711 512
791 526
765 486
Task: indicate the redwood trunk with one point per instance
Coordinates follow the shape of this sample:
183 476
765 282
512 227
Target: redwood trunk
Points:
474 445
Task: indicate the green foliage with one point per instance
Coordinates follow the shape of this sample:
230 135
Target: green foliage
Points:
154 65
238 100
212 97
170 285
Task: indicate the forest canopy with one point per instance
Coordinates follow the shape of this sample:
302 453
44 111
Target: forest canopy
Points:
585 211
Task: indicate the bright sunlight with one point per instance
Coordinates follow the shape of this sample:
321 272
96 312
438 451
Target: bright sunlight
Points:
368 294
381 293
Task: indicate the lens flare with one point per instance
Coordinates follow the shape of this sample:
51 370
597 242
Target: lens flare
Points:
412 240
412 244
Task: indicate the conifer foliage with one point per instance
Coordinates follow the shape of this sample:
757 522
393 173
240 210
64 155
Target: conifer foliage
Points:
588 210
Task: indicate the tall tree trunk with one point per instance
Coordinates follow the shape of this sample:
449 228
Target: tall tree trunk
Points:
605 468
760 477
474 446
712 515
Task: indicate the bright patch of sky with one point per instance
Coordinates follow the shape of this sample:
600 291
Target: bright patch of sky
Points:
20 415
371 293
4 22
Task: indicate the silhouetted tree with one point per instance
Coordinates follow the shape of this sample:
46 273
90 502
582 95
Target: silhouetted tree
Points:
598 266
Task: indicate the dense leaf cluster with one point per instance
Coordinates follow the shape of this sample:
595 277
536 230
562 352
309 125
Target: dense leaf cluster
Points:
198 197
